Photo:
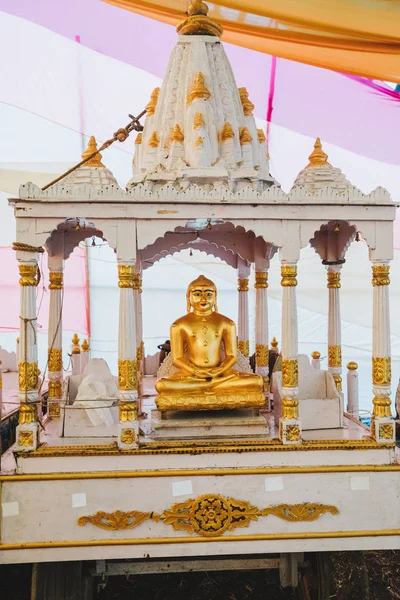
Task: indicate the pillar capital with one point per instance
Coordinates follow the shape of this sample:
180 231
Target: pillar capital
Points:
289 273
380 274
261 279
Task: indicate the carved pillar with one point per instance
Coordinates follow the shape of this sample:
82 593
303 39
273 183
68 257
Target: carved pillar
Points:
289 424
27 433
55 365
137 298
262 356
382 425
334 325
243 307
128 426
75 355
352 389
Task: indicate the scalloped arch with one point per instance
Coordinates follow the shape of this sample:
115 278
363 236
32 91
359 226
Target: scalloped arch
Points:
68 234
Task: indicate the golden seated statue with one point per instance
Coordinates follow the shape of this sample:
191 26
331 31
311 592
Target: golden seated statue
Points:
204 350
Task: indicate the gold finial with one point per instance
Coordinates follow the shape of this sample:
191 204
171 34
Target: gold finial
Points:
352 366
199 141
151 106
318 157
261 136
198 23
92 147
274 344
247 105
315 355
198 90
226 132
75 344
138 139
153 140
85 346
198 121
176 134
245 137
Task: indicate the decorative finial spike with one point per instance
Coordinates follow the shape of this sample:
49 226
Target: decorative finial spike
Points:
92 147
151 106
197 7
198 23
198 90
247 105
318 157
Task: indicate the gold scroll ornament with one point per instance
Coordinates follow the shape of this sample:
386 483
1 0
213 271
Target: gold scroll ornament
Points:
209 515
380 275
28 374
290 372
25 438
55 389
128 436
333 280
127 374
243 285
56 280
290 409
54 359
27 413
261 280
288 273
28 275
125 275
334 356
128 411
262 355
244 347
381 370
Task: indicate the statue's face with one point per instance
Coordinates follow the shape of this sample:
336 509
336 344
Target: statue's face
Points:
202 299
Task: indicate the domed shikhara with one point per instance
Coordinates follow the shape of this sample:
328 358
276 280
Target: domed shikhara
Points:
199 126
319 173
93 172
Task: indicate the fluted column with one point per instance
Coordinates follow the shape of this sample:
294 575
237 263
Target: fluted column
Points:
243 306
262 356
27 433
334 325
289 424
382 425
128 426
55 365
137 298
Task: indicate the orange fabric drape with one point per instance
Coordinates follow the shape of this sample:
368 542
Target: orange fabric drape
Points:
342 35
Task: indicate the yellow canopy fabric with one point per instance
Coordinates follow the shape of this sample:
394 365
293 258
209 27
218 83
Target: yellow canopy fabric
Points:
360 38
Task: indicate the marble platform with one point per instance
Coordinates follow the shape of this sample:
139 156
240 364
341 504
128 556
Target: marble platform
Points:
185 425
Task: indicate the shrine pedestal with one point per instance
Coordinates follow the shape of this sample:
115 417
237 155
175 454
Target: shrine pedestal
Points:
209 424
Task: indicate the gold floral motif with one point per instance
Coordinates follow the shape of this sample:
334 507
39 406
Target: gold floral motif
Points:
28 274
227 401
54 361
381 370
176 135
151 106
290 372
244 347
25 438
245 136
261 136
27 413
262 355
380 275
198 121
292 433
153 140
317 158
55 389
288 273
128 411
198 90
209 515
95 161
247 105
338 382
56 280
334 356
290 408
386 431
261 280
243 285
300 512
381 407
126 275
127 374
333 280
117 520
128 436
198 141
28 374
226 132
54 409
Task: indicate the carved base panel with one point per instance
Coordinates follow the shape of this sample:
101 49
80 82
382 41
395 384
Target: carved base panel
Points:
224 401
27 437
290 431
383 430
128 435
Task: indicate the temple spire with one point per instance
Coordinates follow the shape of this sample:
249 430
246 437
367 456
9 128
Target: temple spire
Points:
198 23
318 157
92 147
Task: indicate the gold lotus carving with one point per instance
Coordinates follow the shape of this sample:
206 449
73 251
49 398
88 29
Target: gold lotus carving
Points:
56 279
386 431
381 370
290 372
128 411
243 285
125 276
333 280
209 515
288 273
127 374
261 280
29 274
380 275
55 359
262 355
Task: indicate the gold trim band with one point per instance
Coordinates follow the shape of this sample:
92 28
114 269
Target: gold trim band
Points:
380 275
28 274
261 280
56 280
125 275
334 356
243 285
193 540
333 280
289 273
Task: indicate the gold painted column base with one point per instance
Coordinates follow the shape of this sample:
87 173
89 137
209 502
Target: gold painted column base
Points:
289 423
128 424
383 430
